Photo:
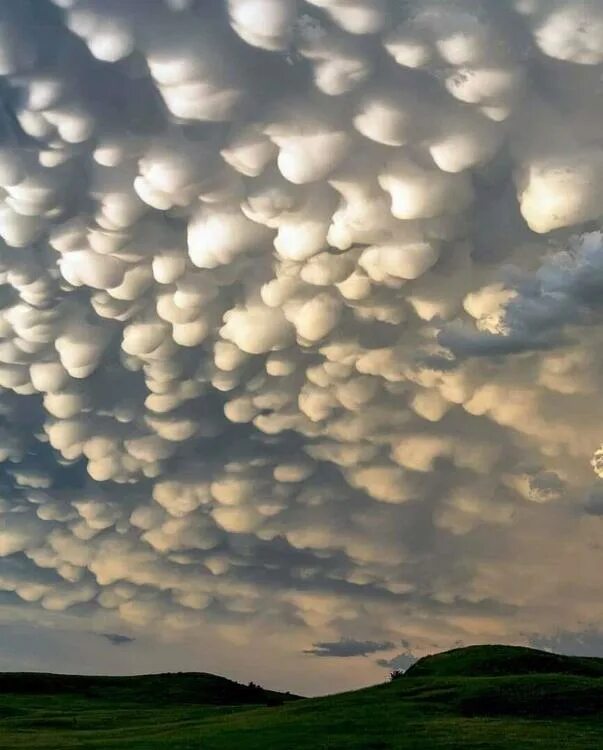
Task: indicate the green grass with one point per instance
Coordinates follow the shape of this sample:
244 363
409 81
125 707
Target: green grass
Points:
448 708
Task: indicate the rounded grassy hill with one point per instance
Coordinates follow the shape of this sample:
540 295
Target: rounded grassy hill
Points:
493 661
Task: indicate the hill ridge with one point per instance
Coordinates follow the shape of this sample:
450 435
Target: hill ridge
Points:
175 687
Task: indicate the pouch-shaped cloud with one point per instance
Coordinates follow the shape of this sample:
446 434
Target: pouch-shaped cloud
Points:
572 32
419 193
310 147
263 23
217 237
300 320
560 191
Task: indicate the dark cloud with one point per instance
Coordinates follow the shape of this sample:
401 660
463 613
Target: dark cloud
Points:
402 661
566 290
463 341
593 502
116 639
588 642
348 647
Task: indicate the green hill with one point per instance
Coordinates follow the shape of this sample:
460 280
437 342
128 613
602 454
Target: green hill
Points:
490 697
491 661
198 688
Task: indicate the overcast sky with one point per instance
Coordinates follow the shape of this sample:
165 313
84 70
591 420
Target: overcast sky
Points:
301 333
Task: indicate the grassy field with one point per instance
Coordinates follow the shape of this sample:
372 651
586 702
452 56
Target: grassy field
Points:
506 703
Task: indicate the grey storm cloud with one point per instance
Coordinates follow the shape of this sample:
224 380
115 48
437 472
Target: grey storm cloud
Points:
563 293
348 647
587 642
300 330
116 639
399 662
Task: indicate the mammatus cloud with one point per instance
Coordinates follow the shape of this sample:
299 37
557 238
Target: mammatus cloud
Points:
299 319
348 647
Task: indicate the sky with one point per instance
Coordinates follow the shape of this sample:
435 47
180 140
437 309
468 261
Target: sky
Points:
300 334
